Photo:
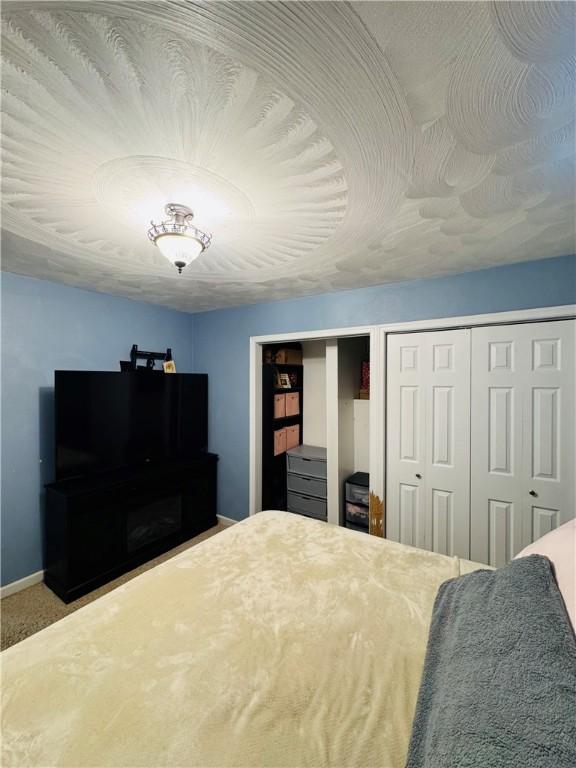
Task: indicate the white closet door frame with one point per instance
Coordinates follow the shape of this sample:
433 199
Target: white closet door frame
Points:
376 404
333 479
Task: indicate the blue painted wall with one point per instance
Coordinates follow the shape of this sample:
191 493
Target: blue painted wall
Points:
221 338
47 326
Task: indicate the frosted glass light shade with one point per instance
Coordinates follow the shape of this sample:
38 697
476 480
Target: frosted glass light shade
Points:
178 240
181 250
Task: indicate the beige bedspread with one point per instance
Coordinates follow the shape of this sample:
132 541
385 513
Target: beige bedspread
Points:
280 642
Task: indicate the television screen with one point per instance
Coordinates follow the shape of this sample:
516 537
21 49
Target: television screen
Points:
107 420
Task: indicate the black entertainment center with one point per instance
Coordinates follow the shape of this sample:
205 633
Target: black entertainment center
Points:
133 475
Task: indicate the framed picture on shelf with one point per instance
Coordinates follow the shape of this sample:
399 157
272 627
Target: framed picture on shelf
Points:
169 366
283 381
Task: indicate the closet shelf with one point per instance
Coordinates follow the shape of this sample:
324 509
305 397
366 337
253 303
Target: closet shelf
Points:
286 418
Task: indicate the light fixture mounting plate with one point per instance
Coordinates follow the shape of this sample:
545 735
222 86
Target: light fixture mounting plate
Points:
176 209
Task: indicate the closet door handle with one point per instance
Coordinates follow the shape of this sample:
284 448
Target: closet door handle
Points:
532 493
418 475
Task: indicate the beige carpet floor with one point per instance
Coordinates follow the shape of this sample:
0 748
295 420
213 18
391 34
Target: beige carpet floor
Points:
34 608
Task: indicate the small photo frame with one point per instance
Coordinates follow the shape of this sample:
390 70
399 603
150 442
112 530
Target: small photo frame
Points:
169 366
284 381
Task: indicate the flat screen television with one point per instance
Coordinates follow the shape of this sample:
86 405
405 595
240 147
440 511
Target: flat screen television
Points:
107 420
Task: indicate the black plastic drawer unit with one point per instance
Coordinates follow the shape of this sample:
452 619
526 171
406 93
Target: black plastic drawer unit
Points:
358 488
358 501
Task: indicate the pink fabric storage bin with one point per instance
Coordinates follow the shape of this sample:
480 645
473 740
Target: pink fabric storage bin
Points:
279 406
293 404
292 436
279 441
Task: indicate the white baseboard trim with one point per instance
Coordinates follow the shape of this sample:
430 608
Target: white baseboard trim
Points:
226 520
18 586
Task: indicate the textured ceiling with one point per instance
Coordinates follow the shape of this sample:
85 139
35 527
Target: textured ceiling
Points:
326 145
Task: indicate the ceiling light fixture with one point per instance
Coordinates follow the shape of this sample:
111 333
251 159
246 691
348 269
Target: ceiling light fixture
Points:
178 240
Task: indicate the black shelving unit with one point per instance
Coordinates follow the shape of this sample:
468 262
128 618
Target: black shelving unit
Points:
274 494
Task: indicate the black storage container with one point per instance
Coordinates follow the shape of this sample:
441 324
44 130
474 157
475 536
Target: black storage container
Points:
358 501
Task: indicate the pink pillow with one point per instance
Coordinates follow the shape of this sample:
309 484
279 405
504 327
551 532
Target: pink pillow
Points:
559 546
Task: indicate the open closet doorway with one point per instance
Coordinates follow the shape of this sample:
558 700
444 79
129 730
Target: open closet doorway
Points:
311 413
350 425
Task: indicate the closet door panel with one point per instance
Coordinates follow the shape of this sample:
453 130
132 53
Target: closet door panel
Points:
522 463
407 357
447 477
410 518
428 440
442 522
549 472
498 369
505 530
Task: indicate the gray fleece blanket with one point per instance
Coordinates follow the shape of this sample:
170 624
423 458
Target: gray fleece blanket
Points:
499 682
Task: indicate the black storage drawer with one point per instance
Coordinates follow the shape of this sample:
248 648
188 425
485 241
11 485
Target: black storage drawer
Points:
97 529
357 494
358 488
357 514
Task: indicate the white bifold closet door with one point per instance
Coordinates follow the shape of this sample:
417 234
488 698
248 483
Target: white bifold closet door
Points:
481 430
523 424
428 440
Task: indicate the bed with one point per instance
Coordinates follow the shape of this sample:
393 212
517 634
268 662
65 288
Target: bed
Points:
281 641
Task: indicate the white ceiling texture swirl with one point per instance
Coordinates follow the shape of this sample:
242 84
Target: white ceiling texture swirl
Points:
325 145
